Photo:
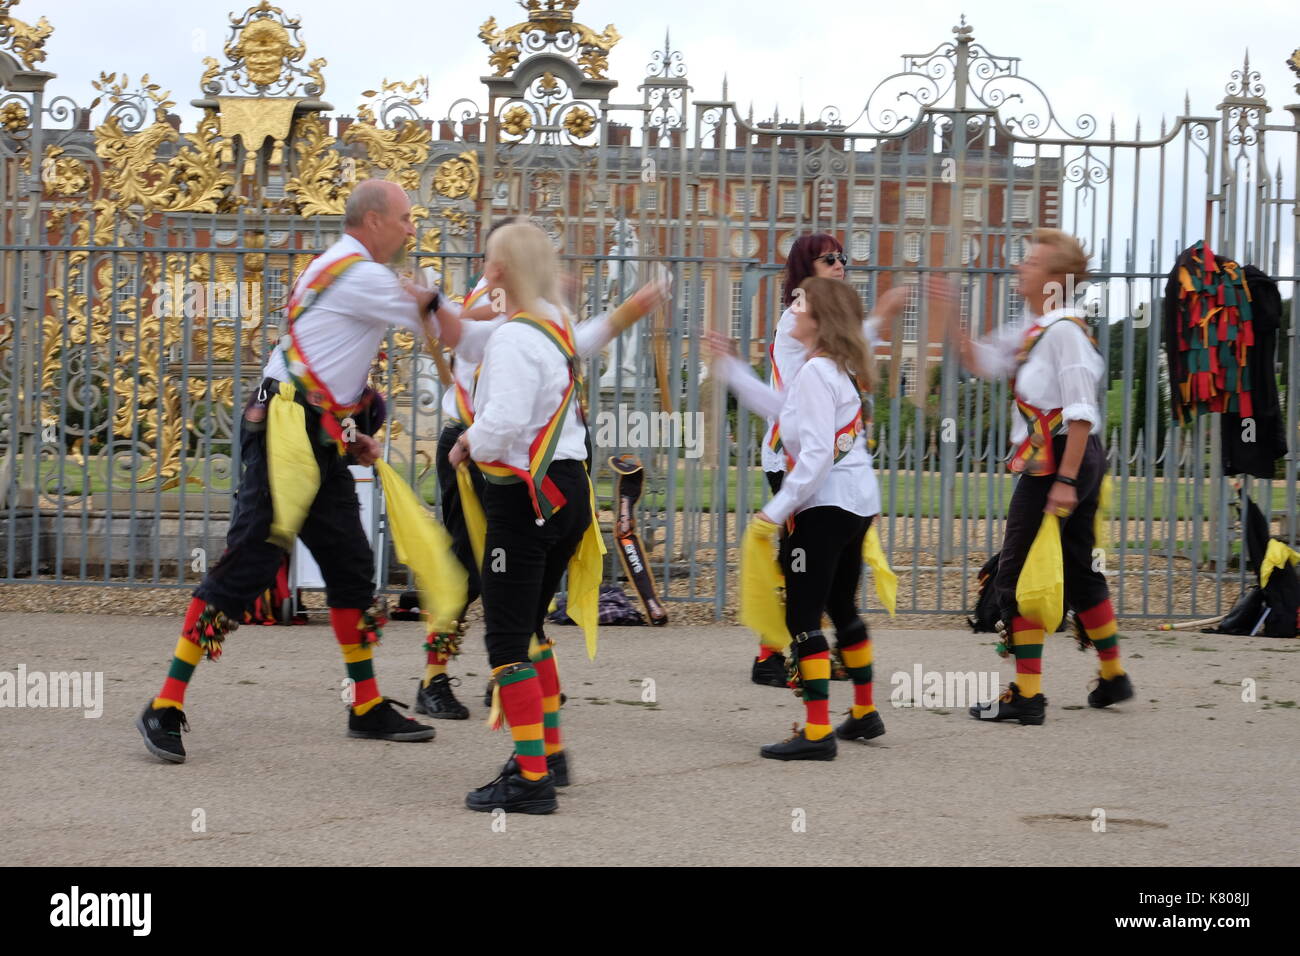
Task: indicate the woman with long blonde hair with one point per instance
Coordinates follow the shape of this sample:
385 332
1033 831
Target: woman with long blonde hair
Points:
827 500
529 440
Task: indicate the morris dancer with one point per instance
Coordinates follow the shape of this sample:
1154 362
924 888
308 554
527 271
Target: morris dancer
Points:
829 495
340 309
818 255
435 697
1055 371
529 439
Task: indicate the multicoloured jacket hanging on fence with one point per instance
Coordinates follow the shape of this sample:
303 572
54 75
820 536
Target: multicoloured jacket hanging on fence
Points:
1209 337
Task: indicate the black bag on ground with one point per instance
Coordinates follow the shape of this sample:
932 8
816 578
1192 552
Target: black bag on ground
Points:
985 618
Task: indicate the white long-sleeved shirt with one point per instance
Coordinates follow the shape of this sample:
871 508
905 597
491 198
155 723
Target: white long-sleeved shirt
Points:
341 333
788 355
813 407
1063 369
520 386
474 336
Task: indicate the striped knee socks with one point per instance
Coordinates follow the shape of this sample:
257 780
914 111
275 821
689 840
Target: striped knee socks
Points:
187 656
1101 628
355 643
543 658
857 659
1027 645
521 701
815 673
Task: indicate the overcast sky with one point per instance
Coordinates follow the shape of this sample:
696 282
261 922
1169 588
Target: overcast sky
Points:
1132 59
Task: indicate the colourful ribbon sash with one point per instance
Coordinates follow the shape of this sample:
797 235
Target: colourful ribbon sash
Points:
1036 454
307 382
546 497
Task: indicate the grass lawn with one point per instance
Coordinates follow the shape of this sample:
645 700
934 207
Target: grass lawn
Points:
903 493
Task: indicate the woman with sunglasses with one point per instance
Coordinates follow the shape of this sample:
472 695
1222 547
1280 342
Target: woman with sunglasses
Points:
819 255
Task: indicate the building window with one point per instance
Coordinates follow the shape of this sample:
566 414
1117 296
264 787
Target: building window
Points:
912 311
738 306
277 292
860 245
1017 249
274 187
124 288
650 198
912 247
863 288
864 202
702 199
792 202
746 199
967 304
907 377
970 249
972 205
915 202
1020 205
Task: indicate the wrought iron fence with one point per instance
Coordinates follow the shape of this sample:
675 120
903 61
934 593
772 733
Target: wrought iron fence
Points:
145 272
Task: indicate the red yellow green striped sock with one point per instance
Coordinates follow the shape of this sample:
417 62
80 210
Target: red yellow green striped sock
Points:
815 673
1027 645
548 673
1102 629
857 660
436 664
357 657
521 701
187 656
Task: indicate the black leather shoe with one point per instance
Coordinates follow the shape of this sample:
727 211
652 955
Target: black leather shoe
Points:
557 765
1110 691
769 672
1013 706
436 700
861 728
161 729
514 793
381 722
800 747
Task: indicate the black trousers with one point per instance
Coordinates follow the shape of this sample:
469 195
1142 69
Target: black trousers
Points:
1084 587
453 515
332 532
822 561
524 562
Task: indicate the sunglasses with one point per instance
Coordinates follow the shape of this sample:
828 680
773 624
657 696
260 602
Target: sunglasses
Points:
833 257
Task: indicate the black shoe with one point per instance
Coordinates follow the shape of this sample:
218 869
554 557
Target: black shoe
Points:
800 747
1012 706
381 722
514 793
436 700
487 693
769 672
557 765
161 729
861 728
1110 691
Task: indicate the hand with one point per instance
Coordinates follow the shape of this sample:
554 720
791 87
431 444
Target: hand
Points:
459 453
421 294
365 450
764 526
652 295
1061 500
890 307
718 346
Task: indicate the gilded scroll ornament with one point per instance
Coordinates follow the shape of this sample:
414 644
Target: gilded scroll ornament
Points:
27 42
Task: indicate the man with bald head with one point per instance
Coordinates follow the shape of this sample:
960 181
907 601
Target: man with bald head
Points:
339 311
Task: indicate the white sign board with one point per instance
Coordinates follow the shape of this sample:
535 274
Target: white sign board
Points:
304 572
